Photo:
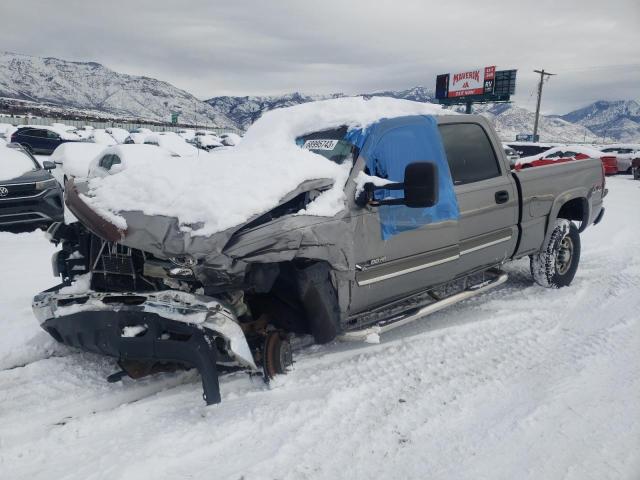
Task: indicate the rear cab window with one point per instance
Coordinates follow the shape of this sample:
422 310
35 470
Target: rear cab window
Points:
469 152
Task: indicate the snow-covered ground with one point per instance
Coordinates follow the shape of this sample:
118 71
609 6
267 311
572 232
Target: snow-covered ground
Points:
522 382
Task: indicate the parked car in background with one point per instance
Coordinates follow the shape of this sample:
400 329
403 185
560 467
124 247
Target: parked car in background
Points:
511 155
230 139
625 153
635 167
569 153
119 134
42 139
117 158
28 192
527 149
206 142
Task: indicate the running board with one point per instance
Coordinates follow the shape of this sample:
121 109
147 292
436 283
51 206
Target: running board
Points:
371 333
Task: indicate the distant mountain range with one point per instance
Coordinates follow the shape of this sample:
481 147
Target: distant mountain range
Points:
60 87
619 119
90 86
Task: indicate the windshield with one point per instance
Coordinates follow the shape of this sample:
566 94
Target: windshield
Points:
14 163
329 143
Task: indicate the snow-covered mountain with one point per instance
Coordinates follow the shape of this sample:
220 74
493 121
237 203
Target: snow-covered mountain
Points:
619 120
246 110
92 86
510 120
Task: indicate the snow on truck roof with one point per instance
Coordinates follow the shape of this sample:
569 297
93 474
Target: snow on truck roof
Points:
211 193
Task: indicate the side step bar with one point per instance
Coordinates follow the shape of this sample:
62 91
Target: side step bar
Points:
400 320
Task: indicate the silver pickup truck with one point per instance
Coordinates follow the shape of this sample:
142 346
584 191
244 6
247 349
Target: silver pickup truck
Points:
431 212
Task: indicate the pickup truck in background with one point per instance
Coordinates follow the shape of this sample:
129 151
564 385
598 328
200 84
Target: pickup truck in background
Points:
432 211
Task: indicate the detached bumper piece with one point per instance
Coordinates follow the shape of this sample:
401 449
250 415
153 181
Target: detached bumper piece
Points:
150 332
162 340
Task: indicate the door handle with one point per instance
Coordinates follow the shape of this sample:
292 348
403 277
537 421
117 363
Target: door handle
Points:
502 196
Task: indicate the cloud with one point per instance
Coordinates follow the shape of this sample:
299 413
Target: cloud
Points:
253 47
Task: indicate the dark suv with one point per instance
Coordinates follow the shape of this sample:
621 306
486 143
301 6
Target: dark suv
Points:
28 193
39 140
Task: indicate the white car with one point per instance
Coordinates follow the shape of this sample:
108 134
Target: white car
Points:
72 159
625 153
117 158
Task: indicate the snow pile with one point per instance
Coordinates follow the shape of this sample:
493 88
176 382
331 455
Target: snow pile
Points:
238 183
13 163
74 158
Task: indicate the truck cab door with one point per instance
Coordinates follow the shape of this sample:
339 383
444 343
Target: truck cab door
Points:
401 250
486 193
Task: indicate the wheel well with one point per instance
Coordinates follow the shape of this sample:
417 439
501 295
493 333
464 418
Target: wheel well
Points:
576 209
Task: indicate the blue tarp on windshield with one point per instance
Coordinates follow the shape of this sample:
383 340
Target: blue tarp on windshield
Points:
388 147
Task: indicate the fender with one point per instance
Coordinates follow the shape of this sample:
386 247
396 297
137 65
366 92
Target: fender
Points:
578 193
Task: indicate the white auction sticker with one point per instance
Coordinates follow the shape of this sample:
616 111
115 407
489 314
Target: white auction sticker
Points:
320 144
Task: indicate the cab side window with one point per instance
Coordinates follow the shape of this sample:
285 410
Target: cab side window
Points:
469 153
52 135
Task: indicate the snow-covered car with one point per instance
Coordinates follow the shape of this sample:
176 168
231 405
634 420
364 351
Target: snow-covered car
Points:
171 142
230 139
6 130
346 217
28 192
101 136
624 153
569 153
206 142
117 158
74 158
118 134
528 149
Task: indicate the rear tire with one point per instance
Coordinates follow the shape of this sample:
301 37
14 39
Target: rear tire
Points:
556 264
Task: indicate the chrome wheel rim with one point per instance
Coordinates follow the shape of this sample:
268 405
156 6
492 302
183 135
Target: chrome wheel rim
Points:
565 254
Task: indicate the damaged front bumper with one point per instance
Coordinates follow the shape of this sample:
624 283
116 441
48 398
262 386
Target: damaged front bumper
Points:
168 326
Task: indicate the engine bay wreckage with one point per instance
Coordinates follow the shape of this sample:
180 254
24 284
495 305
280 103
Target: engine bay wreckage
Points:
161 289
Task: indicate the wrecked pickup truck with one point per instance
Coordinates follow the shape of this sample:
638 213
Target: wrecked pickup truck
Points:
414 209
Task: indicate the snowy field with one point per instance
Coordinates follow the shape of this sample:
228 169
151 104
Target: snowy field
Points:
520 383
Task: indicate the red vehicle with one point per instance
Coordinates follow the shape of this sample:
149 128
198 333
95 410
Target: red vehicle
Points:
568 154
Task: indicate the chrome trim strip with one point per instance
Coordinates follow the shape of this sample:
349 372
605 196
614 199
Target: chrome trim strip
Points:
406 270
485 245
27 197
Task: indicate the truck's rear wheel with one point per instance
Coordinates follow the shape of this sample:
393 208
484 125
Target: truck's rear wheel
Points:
556 264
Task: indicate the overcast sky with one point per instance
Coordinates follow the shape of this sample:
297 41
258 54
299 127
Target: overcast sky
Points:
237 47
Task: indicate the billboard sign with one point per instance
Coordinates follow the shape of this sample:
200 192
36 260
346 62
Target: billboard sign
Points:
472 82
480 81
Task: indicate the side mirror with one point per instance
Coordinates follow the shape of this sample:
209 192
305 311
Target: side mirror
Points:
421 185
47 165
420 188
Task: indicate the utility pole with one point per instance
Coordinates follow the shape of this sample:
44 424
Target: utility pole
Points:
535 124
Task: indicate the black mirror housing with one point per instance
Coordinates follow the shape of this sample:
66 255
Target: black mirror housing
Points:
47 165
421 185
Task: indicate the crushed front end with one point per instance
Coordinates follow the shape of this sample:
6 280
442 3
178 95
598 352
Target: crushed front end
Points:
148 313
